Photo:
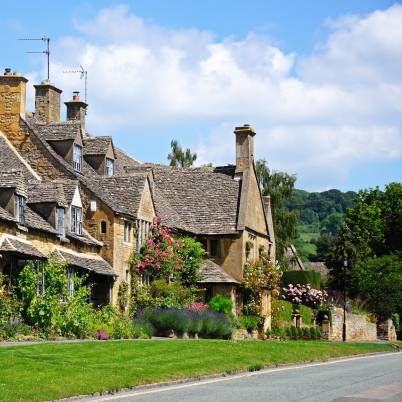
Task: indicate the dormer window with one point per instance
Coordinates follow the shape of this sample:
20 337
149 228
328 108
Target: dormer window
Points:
109 167
20 204
60 227
76 220
77 158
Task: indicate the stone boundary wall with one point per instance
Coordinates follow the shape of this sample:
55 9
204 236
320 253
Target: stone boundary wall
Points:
357 328
387 331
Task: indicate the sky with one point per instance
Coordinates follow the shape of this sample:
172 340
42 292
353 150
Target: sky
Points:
319 81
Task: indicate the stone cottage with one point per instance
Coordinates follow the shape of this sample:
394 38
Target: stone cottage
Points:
93 201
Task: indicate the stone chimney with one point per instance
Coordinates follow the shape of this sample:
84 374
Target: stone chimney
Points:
244 147
47 102
76 109
12 101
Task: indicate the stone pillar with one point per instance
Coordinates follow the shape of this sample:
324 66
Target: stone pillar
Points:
326 328
47 103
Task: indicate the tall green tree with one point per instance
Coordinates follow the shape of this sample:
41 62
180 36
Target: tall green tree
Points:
279 186
179 157
371 240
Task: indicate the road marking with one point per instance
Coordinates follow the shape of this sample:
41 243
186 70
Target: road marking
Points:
157 389
382 392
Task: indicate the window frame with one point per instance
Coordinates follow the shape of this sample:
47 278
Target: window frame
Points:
76 223
109 167
60 219
77 157
127 232
219 248
20 207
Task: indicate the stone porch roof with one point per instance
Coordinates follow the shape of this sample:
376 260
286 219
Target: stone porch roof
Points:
214 273
92 263
19 246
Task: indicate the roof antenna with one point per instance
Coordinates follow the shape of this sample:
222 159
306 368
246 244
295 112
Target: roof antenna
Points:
47 51
83 74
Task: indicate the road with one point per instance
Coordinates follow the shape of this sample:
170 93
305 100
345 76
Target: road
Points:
370 378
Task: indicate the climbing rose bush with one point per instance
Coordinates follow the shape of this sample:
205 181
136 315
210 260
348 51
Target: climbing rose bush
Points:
304 294
159 256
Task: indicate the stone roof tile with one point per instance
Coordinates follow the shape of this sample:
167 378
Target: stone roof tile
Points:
97 145
214 273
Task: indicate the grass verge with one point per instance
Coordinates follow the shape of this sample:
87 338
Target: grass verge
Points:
53 371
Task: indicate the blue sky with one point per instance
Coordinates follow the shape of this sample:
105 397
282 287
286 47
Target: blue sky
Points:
318 80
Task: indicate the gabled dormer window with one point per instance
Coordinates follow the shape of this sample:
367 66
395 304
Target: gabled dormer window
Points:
20 205
109 167
76 220
60 227
77 158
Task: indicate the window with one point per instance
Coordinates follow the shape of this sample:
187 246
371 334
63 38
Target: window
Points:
76 220
109 167
77 157
70 281
103 227
127 232
20 204
215 248
60 227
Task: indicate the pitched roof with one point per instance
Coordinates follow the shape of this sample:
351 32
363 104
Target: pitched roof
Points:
35 221
318 266
89 262
49 192
214 273
97 145
123 161
15 245
123 193
206 201
62 131
13 179
5 215
69 187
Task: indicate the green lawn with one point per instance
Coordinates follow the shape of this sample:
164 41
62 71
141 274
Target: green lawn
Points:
52 371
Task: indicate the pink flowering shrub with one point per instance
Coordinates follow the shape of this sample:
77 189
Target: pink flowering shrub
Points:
197 306
159 255
304 294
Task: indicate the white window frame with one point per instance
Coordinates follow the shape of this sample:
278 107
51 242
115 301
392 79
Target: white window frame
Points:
76 220
60 221
109 167
77 157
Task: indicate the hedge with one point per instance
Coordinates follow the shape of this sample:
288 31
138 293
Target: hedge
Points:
302 278
282 313
306 314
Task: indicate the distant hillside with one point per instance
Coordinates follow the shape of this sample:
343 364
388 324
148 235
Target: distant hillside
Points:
321 215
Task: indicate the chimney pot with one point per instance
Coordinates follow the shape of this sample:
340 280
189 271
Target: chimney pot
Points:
7 71
76 109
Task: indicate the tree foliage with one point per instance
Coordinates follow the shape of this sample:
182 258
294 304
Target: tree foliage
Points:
371 241
279 186
179 157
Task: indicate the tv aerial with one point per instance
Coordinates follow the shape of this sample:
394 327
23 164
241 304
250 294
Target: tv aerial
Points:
83 75
45 39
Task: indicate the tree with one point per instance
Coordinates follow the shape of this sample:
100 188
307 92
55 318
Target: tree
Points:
371 240
279 186
180 158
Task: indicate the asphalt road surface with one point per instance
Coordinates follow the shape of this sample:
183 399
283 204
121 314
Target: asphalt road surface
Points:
371 378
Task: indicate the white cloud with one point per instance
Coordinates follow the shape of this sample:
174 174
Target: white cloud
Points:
318 116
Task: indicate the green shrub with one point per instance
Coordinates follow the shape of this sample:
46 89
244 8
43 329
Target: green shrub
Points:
299 333
288 332
293 331
396 321
306 314
281 313
302 277
250 322
169 295
306 333
318 332
313 334
221 304
321 313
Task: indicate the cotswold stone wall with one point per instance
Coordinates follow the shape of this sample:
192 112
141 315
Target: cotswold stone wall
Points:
357 328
